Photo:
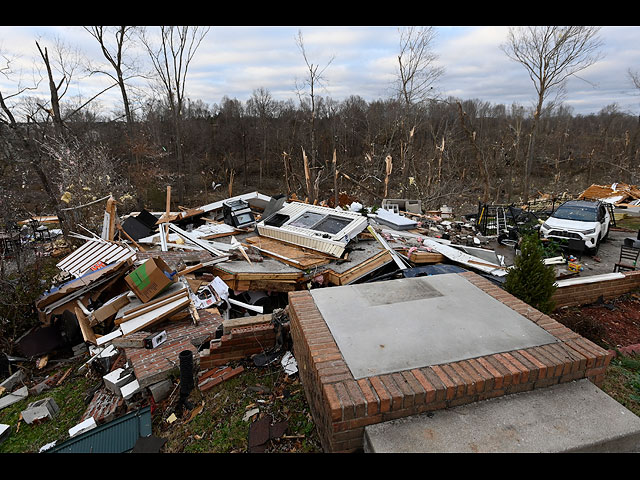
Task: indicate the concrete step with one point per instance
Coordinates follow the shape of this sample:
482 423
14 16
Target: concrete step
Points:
569 417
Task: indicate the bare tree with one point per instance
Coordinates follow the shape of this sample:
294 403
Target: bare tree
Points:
313 79
171 60
550 56
116 58
65 63
262 104
7 116
417 69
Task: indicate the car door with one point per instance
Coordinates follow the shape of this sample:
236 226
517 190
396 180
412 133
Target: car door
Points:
604 217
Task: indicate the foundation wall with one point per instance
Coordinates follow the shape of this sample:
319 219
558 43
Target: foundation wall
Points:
342 406
584 294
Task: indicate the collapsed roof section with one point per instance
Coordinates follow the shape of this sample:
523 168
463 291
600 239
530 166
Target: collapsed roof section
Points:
93 255
617 193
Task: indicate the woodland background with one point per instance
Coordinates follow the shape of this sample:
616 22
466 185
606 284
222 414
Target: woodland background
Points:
60 153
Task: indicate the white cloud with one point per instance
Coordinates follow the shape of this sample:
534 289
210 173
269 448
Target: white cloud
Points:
233 61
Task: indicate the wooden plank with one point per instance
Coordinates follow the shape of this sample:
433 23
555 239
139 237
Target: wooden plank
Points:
151 306
87 331
360 270
420 257
293 255
226 275
154 316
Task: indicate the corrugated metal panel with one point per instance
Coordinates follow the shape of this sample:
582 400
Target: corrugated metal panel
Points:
93 251
117 436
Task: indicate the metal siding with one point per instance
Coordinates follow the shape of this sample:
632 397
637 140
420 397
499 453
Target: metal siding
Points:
117 436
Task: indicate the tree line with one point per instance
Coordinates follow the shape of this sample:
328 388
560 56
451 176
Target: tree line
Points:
62 154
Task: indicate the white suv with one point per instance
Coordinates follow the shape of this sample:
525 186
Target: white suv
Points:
582 220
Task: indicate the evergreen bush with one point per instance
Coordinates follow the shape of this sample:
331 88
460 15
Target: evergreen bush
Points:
530 279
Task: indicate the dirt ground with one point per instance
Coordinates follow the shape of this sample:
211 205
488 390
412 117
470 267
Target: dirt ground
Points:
611 324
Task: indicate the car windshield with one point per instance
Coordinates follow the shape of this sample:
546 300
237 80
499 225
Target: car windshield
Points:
575 212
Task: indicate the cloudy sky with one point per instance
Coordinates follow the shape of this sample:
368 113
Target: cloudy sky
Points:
360 60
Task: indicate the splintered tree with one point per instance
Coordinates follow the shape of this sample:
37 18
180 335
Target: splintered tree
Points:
115 54
550 56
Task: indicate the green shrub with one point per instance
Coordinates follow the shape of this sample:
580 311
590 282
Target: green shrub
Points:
530 279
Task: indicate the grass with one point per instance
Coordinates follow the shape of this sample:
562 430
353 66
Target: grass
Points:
217 424
221 427
70 398
632 223
622 381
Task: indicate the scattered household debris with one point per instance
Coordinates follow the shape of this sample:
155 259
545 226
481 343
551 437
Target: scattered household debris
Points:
210 284
262 431
617 193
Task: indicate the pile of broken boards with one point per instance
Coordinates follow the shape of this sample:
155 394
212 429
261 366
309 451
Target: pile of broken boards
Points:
212 280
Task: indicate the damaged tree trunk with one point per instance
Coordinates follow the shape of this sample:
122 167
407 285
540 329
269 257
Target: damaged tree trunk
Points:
307 178
335 179
388 168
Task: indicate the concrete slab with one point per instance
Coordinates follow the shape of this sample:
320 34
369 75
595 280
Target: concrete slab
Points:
14 397
569 417
396 325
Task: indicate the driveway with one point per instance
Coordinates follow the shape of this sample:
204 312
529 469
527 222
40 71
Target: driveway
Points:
603 262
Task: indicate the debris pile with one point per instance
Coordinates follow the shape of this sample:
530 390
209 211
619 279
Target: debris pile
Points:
211 283
617 194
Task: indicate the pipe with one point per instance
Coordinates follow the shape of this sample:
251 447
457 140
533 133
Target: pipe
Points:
186 374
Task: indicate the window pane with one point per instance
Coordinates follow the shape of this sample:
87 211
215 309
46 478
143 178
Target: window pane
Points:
307 220
332 224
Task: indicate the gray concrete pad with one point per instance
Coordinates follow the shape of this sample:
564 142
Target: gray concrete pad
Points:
395 325
569 417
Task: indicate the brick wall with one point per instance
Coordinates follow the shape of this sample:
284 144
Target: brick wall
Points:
583 294
342 406
153 365
239 343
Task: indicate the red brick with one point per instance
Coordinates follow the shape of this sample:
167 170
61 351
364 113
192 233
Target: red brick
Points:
482 371
504 371
515 372
357 398
465 377
578 347
419 394
394 391
448 383
542 368
559 357
333 402
382 393
498 376
524 371
461 385
571 356
477 379
408 395
373 404
430 390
